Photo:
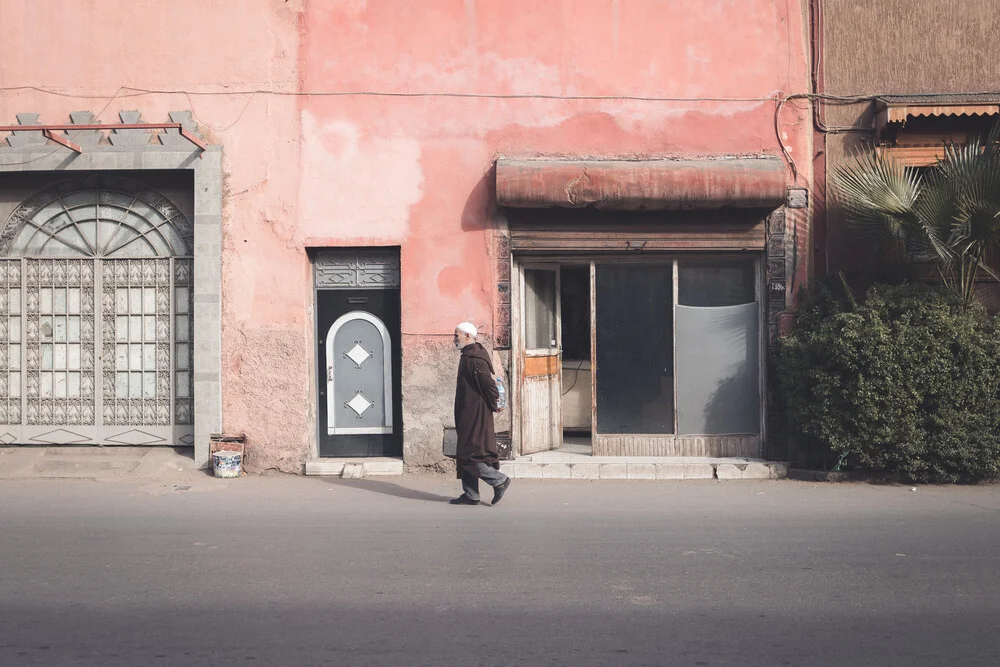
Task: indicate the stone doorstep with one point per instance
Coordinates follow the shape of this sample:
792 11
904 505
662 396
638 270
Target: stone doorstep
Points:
355 468
624 468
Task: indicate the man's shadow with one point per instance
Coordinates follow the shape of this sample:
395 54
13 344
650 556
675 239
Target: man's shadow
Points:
387 488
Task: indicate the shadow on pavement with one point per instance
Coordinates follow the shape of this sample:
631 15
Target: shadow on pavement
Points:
389 489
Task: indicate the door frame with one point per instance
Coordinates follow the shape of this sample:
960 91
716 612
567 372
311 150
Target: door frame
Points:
389 277
519 348
176 154
558 260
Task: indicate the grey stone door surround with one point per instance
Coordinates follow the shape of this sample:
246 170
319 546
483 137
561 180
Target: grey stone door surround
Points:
140 149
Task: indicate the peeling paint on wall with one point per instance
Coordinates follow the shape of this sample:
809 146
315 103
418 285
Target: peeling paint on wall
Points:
355 186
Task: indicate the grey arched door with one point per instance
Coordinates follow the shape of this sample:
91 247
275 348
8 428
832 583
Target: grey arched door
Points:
359 352
359 375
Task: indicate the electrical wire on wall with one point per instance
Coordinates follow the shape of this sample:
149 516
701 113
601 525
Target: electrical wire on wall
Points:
886 98
132 91
429 335
780 99
576 376
71 137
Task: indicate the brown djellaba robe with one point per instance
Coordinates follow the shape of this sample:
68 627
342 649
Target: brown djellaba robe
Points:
475 402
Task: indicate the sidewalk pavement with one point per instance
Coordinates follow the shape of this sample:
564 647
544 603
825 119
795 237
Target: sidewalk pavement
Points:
177 465
99 463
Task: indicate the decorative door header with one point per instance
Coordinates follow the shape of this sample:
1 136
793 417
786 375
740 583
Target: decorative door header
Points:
357 268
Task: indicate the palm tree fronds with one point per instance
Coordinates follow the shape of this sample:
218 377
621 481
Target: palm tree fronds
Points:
954 209
877 195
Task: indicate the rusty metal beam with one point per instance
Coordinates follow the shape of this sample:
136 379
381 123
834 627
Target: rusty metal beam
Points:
49 130
193 139
637 185
92 126
62 141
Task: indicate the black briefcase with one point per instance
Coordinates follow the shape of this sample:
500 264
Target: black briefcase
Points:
449 445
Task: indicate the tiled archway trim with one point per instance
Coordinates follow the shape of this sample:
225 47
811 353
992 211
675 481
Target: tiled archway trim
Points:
29 151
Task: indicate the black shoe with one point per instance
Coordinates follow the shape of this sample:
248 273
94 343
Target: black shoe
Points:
498 491
463 500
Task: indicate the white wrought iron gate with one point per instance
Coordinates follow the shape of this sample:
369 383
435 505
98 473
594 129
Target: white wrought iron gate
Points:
96 322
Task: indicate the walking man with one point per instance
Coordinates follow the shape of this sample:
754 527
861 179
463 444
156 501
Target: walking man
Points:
475 402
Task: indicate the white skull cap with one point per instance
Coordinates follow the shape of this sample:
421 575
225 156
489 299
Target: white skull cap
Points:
466 327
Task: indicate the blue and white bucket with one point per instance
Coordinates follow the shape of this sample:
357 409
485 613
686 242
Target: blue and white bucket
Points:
227 464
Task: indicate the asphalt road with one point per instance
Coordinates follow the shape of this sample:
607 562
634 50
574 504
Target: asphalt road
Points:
297 571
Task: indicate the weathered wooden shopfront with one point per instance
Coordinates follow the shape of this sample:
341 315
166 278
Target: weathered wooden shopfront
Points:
639 304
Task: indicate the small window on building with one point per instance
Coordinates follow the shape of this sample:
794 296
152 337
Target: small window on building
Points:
915 131
540 308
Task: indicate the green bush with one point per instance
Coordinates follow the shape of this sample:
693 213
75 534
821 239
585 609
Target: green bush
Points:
907 381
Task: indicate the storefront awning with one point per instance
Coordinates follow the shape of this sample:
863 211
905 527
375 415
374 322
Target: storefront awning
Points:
901 113
638 185
900 109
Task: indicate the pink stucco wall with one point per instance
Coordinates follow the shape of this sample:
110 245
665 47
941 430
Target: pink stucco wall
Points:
411 170
411 167
371 154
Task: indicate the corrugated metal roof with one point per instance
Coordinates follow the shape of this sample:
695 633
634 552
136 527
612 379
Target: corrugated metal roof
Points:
899 114
945 99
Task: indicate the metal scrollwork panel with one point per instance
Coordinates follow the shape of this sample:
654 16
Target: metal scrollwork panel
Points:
96 259
357 269
136 368
11 346
183 342
96 216
59 343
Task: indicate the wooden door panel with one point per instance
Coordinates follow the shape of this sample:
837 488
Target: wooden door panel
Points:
541 387
540 402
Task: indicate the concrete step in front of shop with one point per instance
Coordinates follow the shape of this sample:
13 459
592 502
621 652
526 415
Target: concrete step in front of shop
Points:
355 468
628 468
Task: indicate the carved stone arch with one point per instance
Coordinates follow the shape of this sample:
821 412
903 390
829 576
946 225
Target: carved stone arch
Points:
97 215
